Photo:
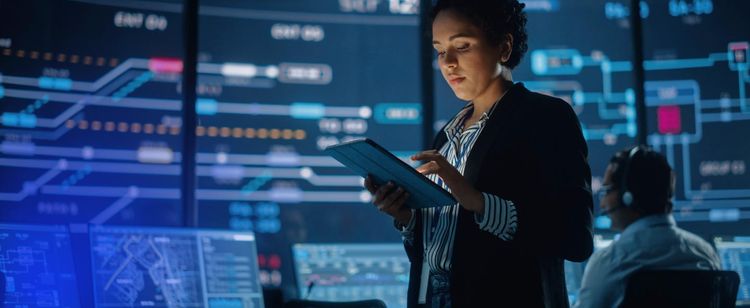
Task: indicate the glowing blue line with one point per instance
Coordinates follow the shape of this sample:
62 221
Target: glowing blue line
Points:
201 194
31 187
686 171
112 191
620 66
655 65
112 209
743 103
719 56
132 86
725 117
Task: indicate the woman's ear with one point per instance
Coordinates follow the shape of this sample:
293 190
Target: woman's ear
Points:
506 48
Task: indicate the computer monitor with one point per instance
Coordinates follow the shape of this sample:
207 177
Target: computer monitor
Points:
734 252
350 272
37 263
574 270
164 267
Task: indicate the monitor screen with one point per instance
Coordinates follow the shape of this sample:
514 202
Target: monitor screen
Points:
696 92
734 252
38 266
278 81
160 267
90 120
349 272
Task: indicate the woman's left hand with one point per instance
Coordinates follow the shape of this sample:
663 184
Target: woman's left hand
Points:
468 196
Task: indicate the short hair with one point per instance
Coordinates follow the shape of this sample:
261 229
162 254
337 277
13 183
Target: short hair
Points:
494 18
649 179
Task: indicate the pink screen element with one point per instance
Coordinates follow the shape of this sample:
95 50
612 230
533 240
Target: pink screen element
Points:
165 65
669 119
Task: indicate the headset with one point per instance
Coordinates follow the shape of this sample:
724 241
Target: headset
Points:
626 196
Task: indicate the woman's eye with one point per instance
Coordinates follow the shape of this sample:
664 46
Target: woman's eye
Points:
463 47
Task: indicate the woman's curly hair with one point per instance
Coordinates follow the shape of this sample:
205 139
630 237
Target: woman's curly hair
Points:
494 18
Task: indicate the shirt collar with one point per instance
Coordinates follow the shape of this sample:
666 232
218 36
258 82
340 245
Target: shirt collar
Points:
649 222
458 121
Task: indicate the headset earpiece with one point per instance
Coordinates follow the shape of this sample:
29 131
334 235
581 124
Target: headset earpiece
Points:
626 197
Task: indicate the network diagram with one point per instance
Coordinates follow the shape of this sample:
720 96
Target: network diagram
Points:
43 113
93 135
678 113
37 266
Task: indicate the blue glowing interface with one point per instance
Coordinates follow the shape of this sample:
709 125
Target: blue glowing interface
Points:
734 252
37 263
90 132
278 82
697 107
141 267
348 272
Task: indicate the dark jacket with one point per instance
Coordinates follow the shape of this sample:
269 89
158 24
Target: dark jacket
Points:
531 152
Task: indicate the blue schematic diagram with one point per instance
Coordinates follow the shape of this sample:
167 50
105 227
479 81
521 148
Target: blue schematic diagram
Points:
696 104
37 264
137 267
93 134
90 133
695 91
280 81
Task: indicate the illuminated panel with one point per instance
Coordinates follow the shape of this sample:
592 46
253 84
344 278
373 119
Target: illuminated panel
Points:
350 272
142 267
734 252
90 112
697 105
278 82
38 266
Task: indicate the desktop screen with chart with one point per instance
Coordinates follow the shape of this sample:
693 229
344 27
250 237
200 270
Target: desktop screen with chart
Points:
350 272
734 252
166 267
37 264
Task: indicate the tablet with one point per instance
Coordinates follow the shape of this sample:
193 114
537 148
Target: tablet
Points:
364 156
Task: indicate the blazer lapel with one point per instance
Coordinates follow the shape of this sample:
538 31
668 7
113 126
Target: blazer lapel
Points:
497 129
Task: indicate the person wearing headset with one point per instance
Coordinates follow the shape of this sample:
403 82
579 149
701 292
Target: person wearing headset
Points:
515 161
636 194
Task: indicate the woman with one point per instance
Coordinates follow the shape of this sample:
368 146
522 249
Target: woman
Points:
516 163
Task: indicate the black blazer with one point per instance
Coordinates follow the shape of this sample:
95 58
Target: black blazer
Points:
531 152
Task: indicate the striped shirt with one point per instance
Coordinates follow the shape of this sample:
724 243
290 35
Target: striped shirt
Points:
440 223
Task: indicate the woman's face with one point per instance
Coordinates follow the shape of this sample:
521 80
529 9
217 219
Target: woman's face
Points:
468 62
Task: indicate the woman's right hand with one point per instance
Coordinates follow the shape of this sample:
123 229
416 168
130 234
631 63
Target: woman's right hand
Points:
390 199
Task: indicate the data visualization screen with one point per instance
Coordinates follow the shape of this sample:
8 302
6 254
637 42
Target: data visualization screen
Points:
581 52
142 267
90 132
350 272
734 252
697 78
278 82
37 263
